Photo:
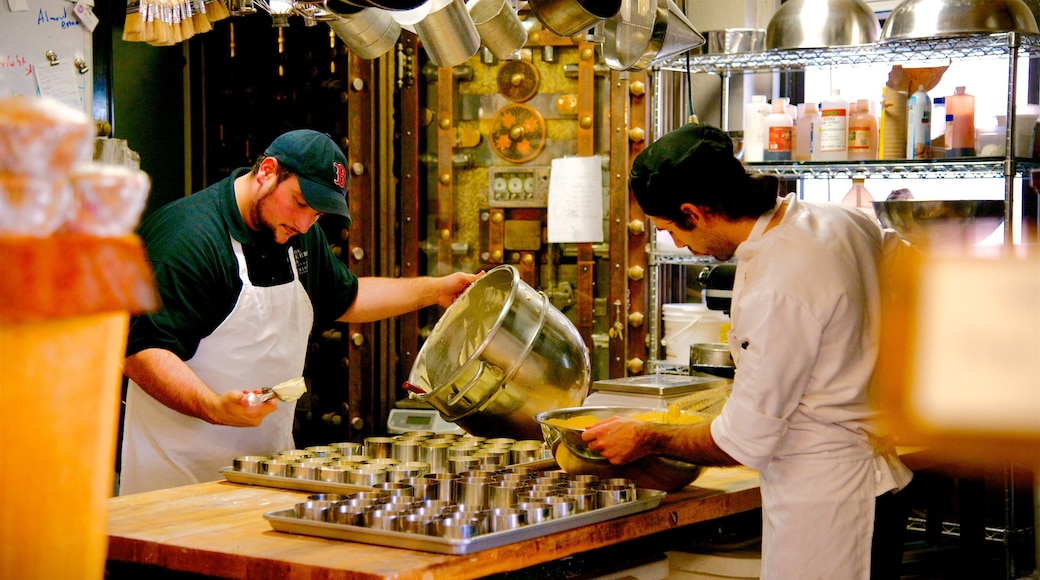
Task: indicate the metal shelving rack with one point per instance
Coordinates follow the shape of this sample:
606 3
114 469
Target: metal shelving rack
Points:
919 52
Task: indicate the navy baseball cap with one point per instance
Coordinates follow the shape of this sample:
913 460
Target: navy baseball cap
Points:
319 165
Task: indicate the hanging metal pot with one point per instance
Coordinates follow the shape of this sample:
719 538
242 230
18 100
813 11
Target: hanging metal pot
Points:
368 33
447 33
569 17
644 32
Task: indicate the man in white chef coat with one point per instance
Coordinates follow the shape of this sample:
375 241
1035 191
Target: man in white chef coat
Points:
243 274
804 337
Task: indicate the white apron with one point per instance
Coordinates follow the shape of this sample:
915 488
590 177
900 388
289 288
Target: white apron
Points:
262 342
818 512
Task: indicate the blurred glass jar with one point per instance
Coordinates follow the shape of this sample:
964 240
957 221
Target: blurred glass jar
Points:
32 206
107 200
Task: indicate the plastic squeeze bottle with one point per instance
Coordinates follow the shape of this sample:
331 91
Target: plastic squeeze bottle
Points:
919 125
779 127
863 133
834 129
755 114
803 132
859 198
960 124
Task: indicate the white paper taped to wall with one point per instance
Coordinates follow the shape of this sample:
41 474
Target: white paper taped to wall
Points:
575 202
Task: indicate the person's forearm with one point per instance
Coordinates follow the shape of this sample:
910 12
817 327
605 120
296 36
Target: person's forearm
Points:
381 298
165 377
695 445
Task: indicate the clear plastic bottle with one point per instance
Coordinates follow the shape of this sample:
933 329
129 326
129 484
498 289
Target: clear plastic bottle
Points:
779 127
919 125
803 132
755 128
960 124
859 198
863 133
834 129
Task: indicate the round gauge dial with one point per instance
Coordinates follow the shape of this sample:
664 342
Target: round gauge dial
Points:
517 133
518 80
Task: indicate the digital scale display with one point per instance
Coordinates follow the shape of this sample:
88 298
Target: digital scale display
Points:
404 420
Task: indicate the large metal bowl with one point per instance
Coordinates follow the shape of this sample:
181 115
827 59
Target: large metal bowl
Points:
574 456
939 18
948 222
821 24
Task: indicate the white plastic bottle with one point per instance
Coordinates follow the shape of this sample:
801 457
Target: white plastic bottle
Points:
779 127
919 125
803 133
863 133
755 128
834 129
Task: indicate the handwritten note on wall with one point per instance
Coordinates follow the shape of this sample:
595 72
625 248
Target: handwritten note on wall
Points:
576 200
27 33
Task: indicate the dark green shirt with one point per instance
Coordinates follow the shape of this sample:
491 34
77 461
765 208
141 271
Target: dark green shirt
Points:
188 243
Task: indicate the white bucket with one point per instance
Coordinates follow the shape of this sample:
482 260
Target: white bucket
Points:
688 324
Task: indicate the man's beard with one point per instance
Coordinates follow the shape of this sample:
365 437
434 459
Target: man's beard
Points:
265 232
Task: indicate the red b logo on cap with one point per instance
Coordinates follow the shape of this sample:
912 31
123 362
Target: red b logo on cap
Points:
341 174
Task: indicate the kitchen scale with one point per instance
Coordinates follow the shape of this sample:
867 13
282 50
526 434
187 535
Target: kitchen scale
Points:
657 391
409 415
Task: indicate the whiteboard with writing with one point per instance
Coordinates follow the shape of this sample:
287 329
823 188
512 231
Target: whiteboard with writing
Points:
31 28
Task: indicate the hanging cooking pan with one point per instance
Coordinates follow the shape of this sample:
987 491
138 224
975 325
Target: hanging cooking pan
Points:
644 32
569 17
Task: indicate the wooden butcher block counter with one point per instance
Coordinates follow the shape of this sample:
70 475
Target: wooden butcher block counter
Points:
218 529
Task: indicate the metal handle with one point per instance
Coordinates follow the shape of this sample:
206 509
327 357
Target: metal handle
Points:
469 385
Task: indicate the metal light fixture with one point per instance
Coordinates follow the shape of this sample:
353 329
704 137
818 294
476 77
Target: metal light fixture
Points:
821 24
934 18
279 11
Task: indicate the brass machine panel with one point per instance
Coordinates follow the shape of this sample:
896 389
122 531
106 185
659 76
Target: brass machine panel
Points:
518 186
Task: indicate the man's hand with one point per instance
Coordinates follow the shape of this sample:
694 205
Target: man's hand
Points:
450 287
233 409
620 440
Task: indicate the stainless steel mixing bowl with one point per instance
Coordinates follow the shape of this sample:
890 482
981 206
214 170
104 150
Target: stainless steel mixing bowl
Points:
574 456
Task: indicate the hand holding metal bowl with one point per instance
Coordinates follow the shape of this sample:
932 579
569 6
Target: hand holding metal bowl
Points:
562 430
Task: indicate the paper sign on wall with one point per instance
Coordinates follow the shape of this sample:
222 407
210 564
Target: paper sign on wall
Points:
575 200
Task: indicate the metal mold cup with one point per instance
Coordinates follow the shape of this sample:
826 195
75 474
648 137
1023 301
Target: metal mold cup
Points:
248 463
343 513
520 356
379 447
275 467
445 485
608 495
562 506
312 510
536 512
507 518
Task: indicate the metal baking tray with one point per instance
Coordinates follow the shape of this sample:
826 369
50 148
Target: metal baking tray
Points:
285 520
317 486
311 485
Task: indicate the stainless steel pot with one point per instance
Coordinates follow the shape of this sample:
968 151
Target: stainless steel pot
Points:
499 355
368 33
712 358
569 17
448 34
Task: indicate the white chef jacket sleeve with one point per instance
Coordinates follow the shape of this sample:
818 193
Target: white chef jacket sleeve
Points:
778 341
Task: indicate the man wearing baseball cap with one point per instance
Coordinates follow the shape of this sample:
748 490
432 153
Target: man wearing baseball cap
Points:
805 315
243 273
